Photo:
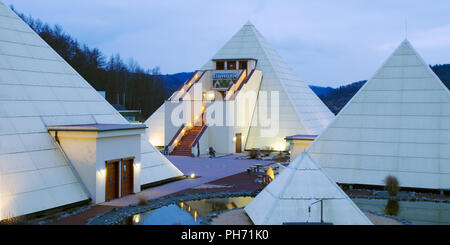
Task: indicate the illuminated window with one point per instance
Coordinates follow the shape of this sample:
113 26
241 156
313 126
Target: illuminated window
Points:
231 65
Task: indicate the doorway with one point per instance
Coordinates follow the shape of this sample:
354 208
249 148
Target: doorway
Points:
127 185
112 180
238 143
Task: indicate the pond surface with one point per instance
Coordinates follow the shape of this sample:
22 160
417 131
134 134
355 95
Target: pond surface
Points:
192 212
187 213
418 213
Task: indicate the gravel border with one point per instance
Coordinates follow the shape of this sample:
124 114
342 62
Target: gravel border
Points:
401 220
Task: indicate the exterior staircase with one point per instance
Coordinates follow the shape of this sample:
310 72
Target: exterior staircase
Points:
184 147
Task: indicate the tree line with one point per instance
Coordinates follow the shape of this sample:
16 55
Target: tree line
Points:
125 83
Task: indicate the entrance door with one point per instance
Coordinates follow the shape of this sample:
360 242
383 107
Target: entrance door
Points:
127 177
112 180
238 143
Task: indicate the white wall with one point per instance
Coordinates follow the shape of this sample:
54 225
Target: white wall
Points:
112 148
82 154
89 151
155 127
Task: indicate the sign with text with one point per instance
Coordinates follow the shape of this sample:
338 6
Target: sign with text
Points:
223 79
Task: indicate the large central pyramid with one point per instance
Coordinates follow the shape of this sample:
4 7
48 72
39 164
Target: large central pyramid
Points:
38 89
397 124
301 111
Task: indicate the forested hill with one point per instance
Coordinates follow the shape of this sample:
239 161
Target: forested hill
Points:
336 98
443 72
126 84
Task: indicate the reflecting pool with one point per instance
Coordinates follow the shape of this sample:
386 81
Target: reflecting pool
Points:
192 212
187 213
418 213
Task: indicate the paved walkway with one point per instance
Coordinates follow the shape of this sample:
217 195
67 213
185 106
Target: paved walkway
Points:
208 169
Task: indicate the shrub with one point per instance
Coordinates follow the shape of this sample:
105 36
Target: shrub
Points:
392 207
392 185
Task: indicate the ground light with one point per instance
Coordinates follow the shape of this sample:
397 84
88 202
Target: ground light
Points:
192 176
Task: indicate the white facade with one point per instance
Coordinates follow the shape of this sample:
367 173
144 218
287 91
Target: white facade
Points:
89 150
300 111
397 124
288 198
38 89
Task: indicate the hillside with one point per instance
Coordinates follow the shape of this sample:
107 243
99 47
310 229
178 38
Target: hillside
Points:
172 82
336 98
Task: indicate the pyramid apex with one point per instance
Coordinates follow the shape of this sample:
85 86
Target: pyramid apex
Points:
248 23
406 41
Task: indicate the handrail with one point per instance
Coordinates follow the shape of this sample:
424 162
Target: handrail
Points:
239 81
176 135
199 135
192 85
182 85
244 82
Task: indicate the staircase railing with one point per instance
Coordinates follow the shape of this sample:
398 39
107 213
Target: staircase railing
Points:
178 95
176 138
242 84
232 89
197 138
198 78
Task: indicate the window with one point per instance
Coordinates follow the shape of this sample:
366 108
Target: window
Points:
220 65
231 65
242 65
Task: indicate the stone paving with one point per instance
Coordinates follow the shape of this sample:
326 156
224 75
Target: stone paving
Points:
208 169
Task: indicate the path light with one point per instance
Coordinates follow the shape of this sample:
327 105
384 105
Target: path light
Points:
102 172
192 176
137 218
270 173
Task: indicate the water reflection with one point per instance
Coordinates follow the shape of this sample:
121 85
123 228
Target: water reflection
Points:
392 207
192 212
417 212
186 213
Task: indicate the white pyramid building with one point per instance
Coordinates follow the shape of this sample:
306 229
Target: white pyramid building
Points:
37 89
397 124
301 111
288 198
